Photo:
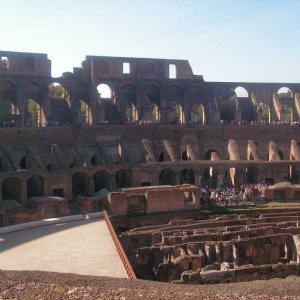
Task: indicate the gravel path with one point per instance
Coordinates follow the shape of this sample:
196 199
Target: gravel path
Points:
46 285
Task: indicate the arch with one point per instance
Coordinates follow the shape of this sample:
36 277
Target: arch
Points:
264 112
285 93
129 93
4 63
101 180
241 92
185 156
35 186
36 116
123 178
210 177
198 114
33 90
187 176
56 91
131 113
11 189
153 94
176 115
85 113
167 177
79 184
23 164
227 111
199 94
212 155
155 113
281 156
106 92
9 110
251 175
161 157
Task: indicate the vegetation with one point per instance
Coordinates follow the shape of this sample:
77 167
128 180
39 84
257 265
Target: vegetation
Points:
3 63
177 114
56 91
83 111
34 110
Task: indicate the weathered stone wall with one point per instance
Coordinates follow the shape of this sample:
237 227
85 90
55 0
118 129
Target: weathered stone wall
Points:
224 249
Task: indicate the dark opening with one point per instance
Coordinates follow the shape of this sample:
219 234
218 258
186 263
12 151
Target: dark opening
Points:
23 163
101 180
35 186
123 178
58 192
11 189
167 177
184 156
161 157
79 184
187 176
93 160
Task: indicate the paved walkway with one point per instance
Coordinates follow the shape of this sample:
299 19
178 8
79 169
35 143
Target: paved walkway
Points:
82 247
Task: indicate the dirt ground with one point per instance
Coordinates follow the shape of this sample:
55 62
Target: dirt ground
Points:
46 285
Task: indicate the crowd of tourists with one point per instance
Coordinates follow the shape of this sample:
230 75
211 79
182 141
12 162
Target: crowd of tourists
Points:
232 196
187 124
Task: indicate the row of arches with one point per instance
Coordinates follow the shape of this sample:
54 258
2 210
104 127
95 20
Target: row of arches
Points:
40 105
11 187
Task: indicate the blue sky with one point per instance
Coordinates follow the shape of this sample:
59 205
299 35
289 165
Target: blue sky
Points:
224 40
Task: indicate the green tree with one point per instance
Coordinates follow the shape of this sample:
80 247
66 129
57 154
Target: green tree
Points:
56 91
83 111
33 109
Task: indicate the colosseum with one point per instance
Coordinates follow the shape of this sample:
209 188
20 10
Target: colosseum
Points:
140 137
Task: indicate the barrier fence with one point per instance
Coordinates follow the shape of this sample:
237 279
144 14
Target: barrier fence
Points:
119 247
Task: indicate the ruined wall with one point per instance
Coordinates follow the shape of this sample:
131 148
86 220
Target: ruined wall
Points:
141 90
224 249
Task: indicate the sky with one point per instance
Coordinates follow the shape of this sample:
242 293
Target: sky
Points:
224 40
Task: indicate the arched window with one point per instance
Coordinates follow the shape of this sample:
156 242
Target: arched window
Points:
36 117
284 92
198 114
105 91
155 114
56 91
241 92
4 63
177 115
132 115
85 113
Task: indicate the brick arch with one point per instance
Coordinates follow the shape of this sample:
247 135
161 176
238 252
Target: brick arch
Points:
9 91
